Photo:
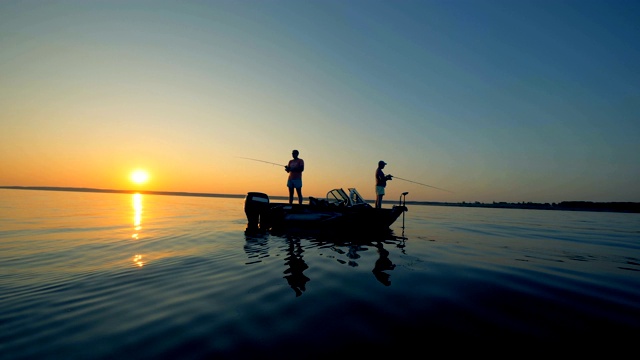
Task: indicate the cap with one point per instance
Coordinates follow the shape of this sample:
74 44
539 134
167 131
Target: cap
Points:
381 163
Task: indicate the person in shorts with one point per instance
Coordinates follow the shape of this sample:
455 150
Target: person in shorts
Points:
381 183
295 169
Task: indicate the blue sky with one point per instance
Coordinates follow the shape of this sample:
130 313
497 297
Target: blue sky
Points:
535 101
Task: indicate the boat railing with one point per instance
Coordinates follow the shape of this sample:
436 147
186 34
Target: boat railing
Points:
339 197
356 198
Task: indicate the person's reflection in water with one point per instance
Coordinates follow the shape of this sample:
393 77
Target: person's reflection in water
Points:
296 265
383 263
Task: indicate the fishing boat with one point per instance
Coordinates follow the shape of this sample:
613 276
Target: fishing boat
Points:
340 211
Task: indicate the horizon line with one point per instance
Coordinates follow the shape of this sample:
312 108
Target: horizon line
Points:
281 197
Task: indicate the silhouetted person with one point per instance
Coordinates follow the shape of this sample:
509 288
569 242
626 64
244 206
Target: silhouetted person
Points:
295 169
381 183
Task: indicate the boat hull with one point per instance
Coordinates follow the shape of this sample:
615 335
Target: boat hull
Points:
265 216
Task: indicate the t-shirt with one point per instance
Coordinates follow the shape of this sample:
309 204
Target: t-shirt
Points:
296 166
381 179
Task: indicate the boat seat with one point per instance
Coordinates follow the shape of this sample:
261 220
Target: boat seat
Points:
313 201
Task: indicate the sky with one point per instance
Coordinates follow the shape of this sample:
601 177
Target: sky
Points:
466 100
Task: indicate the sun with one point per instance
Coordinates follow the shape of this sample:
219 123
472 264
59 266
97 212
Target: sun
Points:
139 176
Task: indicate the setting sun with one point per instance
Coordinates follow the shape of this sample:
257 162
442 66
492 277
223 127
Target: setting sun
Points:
139 176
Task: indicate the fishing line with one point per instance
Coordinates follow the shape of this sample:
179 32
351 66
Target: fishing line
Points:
395 177
268 162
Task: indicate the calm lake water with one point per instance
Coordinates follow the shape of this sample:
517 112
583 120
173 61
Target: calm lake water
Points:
110 276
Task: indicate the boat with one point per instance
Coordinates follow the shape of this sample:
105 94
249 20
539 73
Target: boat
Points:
339 211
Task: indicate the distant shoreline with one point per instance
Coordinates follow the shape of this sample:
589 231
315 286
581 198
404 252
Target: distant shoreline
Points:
627 207
145 192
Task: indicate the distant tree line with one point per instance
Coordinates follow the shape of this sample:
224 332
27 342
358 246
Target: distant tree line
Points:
600 206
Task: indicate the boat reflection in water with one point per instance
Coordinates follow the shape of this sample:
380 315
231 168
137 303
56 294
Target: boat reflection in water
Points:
260 246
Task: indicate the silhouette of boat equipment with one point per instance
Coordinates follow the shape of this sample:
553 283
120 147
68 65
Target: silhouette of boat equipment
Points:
339 211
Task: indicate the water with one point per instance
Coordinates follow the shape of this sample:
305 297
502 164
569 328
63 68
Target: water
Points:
108 276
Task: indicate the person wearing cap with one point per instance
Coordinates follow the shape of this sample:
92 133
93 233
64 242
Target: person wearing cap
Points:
381 183
295 169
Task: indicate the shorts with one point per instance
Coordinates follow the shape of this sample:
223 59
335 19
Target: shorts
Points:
379 190
294 183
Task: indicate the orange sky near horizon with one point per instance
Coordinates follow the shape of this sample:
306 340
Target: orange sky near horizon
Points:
232 175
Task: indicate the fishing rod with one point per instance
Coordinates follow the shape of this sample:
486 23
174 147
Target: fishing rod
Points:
268 162
395 177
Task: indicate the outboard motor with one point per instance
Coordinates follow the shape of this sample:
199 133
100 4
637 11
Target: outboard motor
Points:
256 207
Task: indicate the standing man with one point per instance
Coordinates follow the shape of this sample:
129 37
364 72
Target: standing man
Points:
295 169
381 183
